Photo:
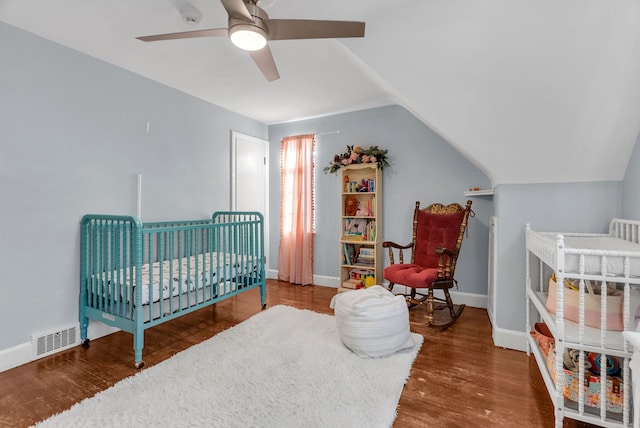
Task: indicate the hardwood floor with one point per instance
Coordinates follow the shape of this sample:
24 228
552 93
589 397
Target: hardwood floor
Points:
459 379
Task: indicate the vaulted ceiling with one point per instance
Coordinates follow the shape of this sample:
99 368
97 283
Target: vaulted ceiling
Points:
528 90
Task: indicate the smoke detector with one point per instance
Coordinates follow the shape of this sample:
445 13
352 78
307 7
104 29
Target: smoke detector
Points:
190 15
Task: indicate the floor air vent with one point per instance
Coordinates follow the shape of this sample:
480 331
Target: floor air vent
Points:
47 343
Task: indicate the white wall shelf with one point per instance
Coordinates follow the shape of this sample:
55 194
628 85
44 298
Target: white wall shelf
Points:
485 192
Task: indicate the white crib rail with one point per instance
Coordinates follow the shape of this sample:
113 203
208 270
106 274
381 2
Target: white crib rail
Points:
629 230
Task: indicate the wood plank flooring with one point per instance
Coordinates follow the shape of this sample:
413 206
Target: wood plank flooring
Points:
459 379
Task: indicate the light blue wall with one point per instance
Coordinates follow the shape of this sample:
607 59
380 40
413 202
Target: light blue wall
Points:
557 207
561 207
423 167
72 141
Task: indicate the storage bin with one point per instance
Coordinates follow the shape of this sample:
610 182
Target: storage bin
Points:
591 387
592 308
543 337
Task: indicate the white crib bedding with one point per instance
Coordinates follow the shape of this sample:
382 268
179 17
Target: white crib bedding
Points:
178 276
600 243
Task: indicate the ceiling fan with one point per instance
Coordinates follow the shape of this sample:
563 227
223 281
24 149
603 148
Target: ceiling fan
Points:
250 28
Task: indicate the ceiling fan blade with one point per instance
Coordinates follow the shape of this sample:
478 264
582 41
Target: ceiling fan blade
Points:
264 60
288 29
214 32
237 9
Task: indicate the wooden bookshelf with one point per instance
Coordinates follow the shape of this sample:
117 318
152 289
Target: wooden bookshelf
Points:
360 226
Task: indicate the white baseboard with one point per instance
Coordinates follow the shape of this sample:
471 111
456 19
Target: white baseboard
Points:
459 297
470 299
327 281
15 356
510 339
271 273
22 354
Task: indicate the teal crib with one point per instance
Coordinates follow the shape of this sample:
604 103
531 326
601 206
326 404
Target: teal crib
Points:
136 275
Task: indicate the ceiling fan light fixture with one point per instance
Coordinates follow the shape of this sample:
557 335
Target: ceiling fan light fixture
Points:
248 37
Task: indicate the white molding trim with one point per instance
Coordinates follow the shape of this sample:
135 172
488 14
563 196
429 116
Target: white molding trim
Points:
235 136
461 298
22 354
510 339
271 273
470 299
15 356
326 281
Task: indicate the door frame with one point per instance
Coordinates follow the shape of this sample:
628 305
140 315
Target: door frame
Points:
235 135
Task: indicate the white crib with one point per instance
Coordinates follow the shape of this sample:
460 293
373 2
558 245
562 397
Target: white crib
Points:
581 260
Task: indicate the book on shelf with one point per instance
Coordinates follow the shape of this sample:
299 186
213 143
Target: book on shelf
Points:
367 252
345 254
368 207
366 257
352 284
371 230
350 253
371 265
364 185
359 230
351 237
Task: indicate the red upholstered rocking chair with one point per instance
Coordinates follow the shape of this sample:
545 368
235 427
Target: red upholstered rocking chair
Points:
437 237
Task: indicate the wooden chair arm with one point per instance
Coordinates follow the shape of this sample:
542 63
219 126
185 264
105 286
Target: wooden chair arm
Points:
391 245
447 252
447 262
387 244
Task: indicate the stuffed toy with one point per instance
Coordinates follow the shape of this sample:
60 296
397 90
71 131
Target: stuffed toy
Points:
357 225
363 186
350 205
361 211
571 360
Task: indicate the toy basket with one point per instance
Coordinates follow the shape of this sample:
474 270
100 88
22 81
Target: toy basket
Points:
592 304
543 337
591 387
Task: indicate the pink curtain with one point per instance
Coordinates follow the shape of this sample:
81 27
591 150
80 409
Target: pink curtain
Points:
295 259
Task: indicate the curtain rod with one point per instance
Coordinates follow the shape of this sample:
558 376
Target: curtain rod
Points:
326 133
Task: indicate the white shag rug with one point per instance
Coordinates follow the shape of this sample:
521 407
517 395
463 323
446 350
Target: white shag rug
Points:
283 367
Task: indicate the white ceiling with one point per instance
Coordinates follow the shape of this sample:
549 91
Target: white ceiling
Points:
528 90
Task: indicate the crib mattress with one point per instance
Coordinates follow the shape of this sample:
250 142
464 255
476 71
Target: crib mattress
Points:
614 249
177 276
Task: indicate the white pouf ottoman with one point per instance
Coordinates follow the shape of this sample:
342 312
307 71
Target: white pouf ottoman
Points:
372 322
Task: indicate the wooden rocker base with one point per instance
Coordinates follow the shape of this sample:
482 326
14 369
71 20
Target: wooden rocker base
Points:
442 317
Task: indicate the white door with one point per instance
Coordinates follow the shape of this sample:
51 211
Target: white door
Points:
250 177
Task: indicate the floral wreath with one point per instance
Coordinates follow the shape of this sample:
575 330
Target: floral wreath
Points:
357 155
